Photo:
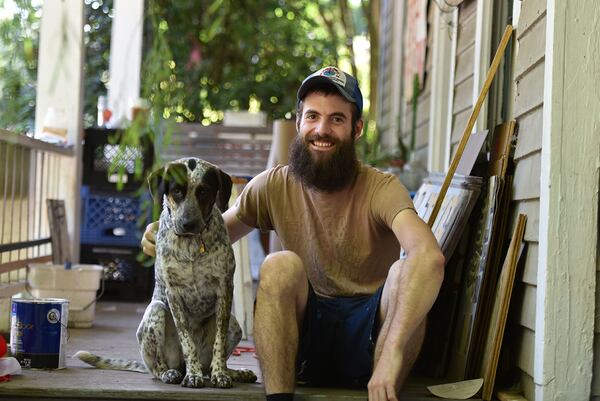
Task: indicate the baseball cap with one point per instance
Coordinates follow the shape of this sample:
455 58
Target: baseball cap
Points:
345 83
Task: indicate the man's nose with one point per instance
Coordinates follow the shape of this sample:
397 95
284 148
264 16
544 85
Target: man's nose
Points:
324 126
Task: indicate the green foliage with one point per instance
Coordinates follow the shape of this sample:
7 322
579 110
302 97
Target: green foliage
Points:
18 64
230 54
97 26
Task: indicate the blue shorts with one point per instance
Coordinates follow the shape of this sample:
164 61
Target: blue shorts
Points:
337 340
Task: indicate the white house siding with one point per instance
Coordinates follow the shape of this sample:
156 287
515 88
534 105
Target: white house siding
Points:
528 79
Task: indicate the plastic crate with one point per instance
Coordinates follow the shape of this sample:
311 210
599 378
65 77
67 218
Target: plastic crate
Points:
99 156
125 279
112 218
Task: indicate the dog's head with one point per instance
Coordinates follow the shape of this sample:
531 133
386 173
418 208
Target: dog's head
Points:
189 188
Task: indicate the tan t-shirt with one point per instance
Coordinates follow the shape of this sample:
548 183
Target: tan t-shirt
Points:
344 239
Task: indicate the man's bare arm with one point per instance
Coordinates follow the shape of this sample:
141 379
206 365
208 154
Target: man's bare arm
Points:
415 286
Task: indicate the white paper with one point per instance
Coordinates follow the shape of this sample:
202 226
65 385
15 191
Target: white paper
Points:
459 390
9 366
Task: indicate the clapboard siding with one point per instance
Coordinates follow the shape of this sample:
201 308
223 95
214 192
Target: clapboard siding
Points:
528 386
531 208
530 89
463 95
529 132
531 12
529 48
528 77
526 182
464 64
525 353
531 261
459 122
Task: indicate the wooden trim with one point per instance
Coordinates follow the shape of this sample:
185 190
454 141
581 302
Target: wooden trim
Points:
34 144
19 264
444 47
483 50
569 185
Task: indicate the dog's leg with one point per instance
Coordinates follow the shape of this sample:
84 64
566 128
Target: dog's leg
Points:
218 367
152 339
234 335
193 375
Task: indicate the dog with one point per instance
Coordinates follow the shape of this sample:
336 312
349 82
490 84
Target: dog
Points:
187 329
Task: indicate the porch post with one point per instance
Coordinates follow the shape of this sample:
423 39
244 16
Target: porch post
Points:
60 87
564 329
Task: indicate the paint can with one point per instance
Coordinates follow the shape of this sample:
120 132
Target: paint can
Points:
38 332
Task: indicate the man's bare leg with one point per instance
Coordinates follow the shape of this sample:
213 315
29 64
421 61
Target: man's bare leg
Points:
280 306
387 308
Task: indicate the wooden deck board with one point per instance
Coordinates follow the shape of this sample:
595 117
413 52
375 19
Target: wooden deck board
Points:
113 334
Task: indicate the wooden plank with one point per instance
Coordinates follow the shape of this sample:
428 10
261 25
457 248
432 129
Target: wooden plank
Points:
526 184
35 144
530 50
500 311
530 90
526 352
530 132
57 220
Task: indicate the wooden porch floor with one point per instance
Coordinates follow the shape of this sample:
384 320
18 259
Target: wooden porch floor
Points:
113 334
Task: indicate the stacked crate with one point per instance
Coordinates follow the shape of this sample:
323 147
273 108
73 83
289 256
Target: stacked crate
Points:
113 220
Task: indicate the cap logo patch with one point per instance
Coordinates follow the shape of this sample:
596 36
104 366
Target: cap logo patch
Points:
335 75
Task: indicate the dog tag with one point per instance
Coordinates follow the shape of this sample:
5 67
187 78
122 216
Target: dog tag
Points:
202 247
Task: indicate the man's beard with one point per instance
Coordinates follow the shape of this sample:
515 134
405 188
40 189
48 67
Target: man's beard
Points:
329 173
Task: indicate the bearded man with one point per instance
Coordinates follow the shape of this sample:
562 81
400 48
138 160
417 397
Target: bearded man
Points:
336 307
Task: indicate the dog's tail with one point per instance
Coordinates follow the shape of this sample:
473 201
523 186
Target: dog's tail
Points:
110 363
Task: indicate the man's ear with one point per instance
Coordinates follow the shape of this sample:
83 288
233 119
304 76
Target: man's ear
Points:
224 190
359 128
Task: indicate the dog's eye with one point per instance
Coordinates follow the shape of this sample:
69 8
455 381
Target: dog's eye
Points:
177 192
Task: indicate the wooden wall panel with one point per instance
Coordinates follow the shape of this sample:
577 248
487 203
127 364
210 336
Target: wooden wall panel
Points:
526 351
526 182
529 275
464 64
463 96
531 12
530 90
531 50
529 132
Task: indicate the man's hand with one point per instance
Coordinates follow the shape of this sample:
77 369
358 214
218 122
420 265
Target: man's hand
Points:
149 239
384 384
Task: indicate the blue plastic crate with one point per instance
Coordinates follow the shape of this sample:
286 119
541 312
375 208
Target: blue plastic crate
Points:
113 219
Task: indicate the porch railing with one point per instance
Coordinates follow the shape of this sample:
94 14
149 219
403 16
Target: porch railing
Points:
29 174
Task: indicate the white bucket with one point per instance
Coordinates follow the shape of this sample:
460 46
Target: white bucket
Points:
78 284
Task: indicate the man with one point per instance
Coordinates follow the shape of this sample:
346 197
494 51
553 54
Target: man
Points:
337 306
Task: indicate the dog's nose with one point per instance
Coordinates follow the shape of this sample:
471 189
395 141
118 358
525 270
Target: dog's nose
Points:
190 226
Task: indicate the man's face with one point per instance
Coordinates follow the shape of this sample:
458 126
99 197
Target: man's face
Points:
323 154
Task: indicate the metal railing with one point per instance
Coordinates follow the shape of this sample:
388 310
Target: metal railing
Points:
29 174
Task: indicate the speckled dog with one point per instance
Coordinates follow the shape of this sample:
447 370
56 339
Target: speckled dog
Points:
188 325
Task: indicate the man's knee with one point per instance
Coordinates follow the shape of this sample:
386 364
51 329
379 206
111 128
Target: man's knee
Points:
281 272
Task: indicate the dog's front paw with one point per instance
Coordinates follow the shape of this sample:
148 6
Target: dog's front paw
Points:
193 381
221 380
245 376
172 376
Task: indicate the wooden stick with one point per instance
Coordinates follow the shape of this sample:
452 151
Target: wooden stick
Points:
471 123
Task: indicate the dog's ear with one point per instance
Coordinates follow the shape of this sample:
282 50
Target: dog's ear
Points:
156 185
158 179
224 190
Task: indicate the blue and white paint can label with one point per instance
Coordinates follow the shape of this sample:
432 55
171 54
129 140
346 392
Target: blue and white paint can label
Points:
38 332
